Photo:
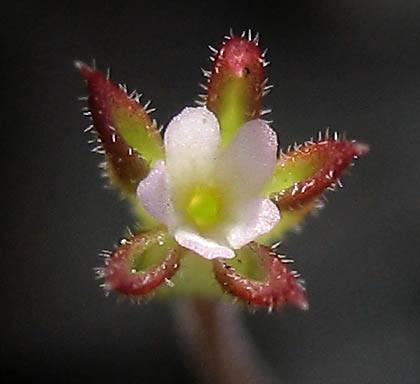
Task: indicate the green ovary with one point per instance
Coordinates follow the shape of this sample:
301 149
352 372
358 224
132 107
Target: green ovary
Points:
204 207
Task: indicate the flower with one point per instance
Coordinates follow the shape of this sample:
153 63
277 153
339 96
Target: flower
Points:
209 196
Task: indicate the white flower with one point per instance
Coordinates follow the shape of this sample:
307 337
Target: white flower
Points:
209 196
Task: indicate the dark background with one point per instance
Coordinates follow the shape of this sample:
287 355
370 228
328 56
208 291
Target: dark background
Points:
350 65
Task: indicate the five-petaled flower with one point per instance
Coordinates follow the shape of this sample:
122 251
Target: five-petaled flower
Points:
212 197
208 196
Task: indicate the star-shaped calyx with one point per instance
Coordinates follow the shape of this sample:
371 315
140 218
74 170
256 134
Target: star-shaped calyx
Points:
212 196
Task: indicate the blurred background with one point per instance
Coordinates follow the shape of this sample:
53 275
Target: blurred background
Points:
350 65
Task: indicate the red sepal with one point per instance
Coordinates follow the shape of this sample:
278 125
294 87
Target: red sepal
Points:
332 158
281 284
119 274
126 166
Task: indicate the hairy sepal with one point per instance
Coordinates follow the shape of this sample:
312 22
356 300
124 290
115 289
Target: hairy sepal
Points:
236 84
125 133
141 264
278 286
306 171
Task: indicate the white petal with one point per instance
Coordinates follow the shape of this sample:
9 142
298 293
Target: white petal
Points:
191 143
249 161
153 192
257 216
204 247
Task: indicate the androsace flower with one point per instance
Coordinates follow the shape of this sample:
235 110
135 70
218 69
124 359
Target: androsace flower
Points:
209 196
212 197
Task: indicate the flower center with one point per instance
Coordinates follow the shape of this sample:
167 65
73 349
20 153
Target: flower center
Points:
204 206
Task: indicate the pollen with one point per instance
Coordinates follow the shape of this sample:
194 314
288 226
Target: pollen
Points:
204 207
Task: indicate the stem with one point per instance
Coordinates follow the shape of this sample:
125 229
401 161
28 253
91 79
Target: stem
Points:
218 344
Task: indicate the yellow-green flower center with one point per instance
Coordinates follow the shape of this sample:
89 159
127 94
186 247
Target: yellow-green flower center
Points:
204 207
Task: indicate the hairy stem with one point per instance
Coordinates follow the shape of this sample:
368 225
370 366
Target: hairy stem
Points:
218 345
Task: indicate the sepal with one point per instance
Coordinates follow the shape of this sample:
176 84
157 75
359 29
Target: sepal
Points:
124 131
303 173
141 264
236 84
278 286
